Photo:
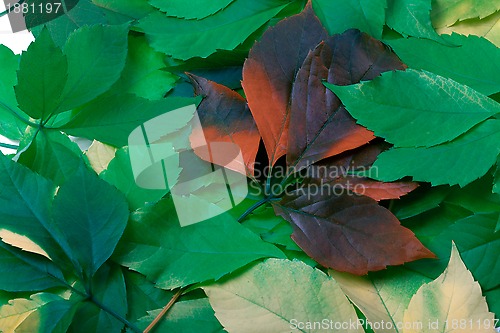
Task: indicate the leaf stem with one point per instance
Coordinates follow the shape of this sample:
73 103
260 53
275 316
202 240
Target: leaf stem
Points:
8 146
254 207
164 311
18 116
114 314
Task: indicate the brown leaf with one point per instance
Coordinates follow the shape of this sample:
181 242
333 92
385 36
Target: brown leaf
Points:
225 117
348 232
320 124
269 73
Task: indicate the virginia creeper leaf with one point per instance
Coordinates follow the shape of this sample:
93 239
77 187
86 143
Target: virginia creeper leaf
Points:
100 120
42 313
108 288
453 296
442 109
41 77
196 9
96 56
481 73
11 125
92 224
132 9
173 256
447 12
25 207
348 232
382 297
274 295
52 155
488 27
119 173
496 184
99 156
225 117
320 125
184 39
23 271
411 18
460 161
269 73
339 15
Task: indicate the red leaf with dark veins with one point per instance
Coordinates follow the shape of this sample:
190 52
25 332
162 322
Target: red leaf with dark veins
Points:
225 117
349 233
320 124
269 73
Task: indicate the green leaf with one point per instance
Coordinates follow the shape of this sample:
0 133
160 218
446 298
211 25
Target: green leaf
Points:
447 12
42 313
11 126
440 109
131 9
185 316
92 216
143 74
474 152
96 57
52 155
419 201
41 77
25 207
119 173
184 39
452 297
194 9
108 292
277 295
172 256
496 184
411 18
340 15
382 297
24 271
100 120
480 73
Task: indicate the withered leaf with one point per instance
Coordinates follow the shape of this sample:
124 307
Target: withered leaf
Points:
269 73
225 117
349 233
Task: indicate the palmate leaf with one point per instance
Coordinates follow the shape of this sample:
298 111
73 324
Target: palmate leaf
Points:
448 300
275 295
172 256
441 109
320 124
184 39
340 15
42 75
481 73
42 313
348 232
269 73
411 18
225 117
91 225
11 125
447 12
488 27
460 161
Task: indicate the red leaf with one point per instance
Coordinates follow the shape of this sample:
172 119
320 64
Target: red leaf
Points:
225 117
349 233
269 73
320 124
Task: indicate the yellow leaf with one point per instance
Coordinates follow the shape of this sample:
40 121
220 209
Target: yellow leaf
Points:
452 303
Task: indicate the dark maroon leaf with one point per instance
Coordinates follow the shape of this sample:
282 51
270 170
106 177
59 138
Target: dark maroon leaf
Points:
348 232
225 117
269 73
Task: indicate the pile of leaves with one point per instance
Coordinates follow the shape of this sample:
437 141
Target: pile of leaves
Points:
370 133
